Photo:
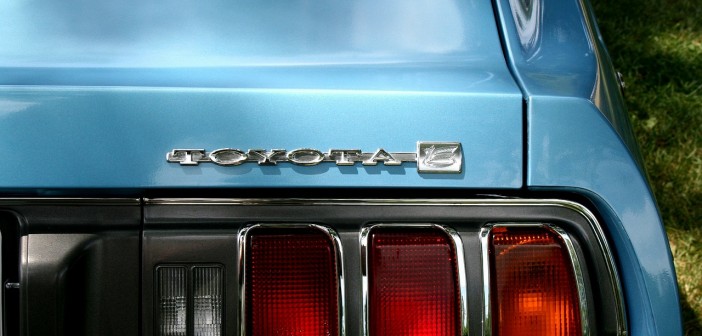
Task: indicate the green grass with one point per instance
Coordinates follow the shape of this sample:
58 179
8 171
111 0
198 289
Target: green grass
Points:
657 45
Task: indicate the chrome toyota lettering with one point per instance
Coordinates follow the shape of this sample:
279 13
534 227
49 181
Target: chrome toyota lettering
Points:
430 157
228 157
187 157
306 157
345 157
382 156
267 157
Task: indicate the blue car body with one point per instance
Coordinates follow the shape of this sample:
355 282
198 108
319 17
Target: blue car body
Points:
93 95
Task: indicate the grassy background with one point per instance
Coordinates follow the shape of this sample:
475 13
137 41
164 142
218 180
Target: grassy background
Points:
657 46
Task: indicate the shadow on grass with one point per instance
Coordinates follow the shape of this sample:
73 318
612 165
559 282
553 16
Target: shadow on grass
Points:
692 324
657 45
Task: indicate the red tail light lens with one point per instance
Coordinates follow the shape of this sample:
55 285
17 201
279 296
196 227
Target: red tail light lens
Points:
534 290
413 283
292 283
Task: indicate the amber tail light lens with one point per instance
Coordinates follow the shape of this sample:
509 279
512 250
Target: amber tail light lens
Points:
412 283
291 283
533 285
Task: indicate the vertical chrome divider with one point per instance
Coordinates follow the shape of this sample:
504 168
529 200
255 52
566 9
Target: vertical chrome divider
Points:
365 231
242 278
485 259
340 270
462 275
578 273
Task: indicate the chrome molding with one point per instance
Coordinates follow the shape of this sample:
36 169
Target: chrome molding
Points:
485 255
336 242
605 250
460 263
574 261
579 278
68 201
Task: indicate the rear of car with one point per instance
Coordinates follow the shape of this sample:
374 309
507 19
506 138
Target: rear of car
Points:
321 168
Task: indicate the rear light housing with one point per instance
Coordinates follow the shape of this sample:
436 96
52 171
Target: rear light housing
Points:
172 300
189 234
414 281
190 300
533 281
291 281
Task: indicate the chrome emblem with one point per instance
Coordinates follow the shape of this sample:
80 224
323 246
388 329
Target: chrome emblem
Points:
431 157
439 157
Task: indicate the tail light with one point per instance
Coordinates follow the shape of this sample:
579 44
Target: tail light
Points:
207 301
291 282
413 282
173 301
535 283
190 300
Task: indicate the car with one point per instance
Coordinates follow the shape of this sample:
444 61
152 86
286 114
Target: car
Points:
322 168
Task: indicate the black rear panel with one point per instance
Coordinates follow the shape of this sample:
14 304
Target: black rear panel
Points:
89 267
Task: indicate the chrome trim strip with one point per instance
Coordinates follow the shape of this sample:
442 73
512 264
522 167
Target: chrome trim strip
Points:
336 242
351 202
460 263
363 240
579 279
242 278
340 270
68 201
575 265
605 250
485 256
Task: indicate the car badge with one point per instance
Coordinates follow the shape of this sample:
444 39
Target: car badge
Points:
430 157
439 157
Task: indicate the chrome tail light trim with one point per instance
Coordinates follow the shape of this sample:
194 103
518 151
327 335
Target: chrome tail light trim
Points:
576 267
336 242
602 243
460 264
